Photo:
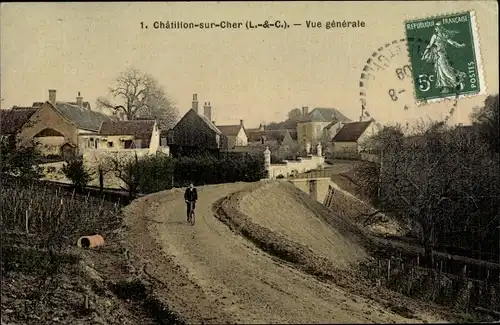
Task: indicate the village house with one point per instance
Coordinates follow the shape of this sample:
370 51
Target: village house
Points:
12 120
196 133
319 126
236 135
122 135
283 138
350 137
57 125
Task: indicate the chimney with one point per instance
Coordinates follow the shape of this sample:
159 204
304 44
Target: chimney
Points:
241 122
79 100
194 106
207 111
52 96
305 110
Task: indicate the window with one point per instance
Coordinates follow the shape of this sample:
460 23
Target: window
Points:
110 144
128 144
318 129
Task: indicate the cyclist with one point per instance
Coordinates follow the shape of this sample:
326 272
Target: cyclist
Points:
190 196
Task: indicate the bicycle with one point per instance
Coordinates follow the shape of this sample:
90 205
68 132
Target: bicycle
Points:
191 217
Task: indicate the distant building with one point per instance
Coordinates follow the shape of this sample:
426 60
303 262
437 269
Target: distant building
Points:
236 135
319 126
351 135
196 134
262 136
57 125
12 120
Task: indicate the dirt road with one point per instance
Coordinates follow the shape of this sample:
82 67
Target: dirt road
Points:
231 279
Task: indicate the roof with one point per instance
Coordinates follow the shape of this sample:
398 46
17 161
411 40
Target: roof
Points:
351 132
11 120
230 130
81 117
255 134
323 114
138 128
210 124
85 104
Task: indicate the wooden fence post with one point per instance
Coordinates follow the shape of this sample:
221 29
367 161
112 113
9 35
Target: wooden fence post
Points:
27 228
440 273
389 270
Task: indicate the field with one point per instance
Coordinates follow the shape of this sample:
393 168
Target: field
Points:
46 279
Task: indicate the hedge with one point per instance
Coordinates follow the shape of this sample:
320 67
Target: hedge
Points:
159 173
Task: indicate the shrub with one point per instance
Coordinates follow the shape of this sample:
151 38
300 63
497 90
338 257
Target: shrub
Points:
157 173
19 160
75 170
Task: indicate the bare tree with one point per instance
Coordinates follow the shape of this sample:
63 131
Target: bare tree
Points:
440 178
137 94
128 170
487 120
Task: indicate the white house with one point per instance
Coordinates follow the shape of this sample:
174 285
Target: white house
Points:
236 135
351 135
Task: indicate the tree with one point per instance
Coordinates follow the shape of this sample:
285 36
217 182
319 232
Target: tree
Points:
21 161
75 170
487 120
294 114
443 179
293 117
137 95
129 171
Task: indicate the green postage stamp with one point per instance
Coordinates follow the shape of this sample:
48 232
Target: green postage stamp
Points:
448 63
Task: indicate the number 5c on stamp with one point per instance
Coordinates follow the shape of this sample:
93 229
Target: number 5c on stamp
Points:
449 65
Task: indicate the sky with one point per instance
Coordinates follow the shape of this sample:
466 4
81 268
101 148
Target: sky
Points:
256 75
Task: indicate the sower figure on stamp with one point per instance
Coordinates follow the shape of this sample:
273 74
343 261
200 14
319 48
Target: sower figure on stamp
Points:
446 76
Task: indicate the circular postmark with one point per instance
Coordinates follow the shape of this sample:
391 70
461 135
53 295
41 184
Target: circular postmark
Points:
387 92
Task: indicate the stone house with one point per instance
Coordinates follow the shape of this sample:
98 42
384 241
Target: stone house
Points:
236 135
196 134
57 126
122 135
319 125
350 137
12 120
266 137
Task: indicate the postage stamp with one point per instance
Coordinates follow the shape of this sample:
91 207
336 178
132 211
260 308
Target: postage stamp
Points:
450 62
386 86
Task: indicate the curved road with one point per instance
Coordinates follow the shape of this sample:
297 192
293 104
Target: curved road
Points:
239 279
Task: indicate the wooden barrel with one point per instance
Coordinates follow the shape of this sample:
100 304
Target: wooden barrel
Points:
90 241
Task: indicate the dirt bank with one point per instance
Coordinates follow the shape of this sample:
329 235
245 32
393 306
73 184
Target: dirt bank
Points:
210 271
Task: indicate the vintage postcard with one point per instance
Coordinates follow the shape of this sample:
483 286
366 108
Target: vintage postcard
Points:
266 162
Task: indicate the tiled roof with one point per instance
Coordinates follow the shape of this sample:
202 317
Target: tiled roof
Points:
323 114
81 117
11 120
229 130
85 104
271 135
141 129
351 132
210 124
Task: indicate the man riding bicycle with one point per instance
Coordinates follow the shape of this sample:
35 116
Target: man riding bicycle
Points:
190 196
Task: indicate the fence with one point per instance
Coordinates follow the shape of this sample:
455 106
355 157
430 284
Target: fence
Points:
465 286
